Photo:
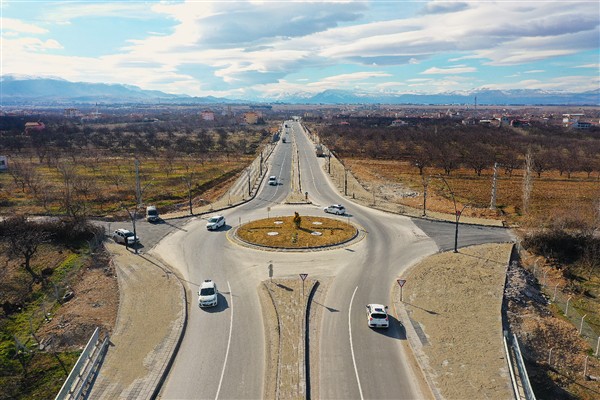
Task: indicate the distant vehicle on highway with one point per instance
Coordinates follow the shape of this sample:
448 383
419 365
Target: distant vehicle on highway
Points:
125 237
377 316
152 214
208 294
335 209
273 180
215 222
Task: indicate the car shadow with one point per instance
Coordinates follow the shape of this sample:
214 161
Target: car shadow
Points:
137 246
222 305
396 329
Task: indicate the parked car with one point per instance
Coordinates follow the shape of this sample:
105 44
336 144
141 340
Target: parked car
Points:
152 214
273 180
335 209
208 294
215 222
126 237
377 316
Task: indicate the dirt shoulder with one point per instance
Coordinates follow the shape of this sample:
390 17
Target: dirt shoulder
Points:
149 321
453 304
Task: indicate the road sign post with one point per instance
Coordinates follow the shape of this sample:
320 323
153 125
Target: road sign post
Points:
271 271
303 277
401 283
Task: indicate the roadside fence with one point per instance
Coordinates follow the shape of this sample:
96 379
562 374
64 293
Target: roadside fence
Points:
563 299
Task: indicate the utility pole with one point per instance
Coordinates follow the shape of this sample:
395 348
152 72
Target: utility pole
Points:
138 190
345 181
261 162
493 201
249 188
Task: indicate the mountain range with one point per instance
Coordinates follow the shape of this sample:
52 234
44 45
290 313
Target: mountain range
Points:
31 90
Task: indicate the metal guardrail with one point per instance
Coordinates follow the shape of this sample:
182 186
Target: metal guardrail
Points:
84 369
523 378
519 378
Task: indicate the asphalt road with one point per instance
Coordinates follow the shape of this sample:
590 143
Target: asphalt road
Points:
222 354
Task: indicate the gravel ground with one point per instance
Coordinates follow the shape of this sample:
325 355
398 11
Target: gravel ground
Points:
454 304
284 301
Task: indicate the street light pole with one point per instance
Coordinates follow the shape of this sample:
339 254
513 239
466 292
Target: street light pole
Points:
133 218
457 213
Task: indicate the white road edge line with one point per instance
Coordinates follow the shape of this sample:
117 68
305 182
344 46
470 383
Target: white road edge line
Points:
228 341
352 346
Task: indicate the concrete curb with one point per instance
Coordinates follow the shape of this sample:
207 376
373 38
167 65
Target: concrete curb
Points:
417 350
178 333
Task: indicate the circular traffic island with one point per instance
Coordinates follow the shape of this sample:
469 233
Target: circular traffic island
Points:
295 232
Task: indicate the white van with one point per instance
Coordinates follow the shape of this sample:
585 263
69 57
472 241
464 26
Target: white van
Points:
152 214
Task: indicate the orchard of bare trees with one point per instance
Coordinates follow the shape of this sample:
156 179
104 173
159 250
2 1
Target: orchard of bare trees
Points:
448 145
78 169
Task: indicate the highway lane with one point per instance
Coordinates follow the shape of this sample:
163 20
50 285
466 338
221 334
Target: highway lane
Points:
222 353
354 360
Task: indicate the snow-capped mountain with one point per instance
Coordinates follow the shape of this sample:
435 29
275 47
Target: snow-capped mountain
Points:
23 89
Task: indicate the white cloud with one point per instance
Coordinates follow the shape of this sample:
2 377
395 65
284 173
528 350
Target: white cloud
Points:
534 71
572 83
15 25
254 45
449 71
65 12
356 76
596 66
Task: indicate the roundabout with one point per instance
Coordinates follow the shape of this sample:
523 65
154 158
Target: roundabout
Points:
296 233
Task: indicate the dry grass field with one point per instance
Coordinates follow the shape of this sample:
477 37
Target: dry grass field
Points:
280 232
554 198
103 186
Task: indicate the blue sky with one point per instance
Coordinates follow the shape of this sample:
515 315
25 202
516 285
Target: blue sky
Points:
264 49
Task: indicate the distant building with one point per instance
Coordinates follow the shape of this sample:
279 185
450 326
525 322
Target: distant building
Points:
570 119
207 115
3 163
573 121
34 126
582 125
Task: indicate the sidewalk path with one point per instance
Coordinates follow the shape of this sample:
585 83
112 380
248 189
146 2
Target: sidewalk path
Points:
149 324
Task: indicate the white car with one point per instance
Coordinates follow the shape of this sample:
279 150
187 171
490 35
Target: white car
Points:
273 180
126 237
215 222
208 294
335 209
377 316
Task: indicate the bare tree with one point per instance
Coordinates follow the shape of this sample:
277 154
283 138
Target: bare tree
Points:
527 181
188 180
447 158
25 238
510 161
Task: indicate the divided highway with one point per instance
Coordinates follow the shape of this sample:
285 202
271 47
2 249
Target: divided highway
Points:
222 354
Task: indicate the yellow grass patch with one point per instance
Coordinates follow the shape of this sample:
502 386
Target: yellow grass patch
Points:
280 232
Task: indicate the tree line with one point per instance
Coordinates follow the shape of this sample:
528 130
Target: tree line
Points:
449 145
